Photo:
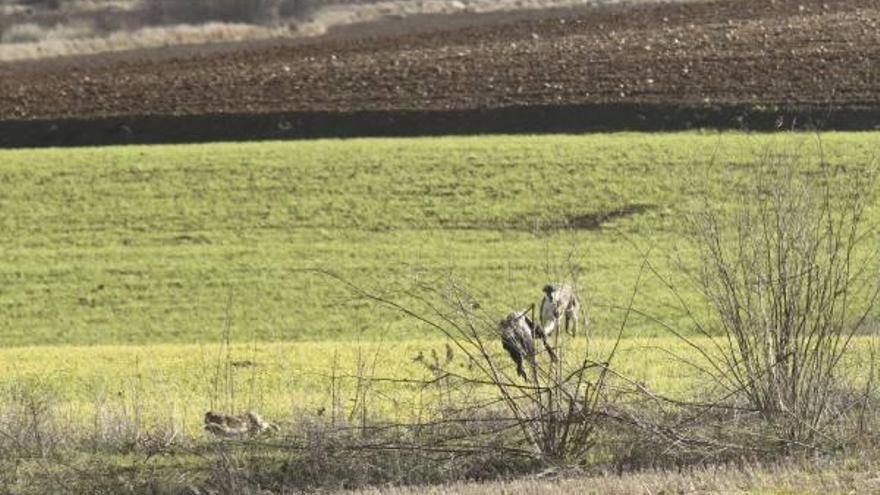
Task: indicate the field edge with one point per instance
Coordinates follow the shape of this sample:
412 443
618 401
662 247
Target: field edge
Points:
528 119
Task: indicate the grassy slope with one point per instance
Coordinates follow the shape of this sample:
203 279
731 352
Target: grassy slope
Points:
159 244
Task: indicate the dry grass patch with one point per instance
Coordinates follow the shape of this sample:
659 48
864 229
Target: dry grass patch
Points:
807 477
35 42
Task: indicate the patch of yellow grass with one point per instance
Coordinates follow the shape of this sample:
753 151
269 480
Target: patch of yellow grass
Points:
177 383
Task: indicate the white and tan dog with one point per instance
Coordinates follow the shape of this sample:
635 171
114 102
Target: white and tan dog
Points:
560 301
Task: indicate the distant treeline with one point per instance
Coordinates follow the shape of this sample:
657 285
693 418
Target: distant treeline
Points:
193 11
185 11
248 11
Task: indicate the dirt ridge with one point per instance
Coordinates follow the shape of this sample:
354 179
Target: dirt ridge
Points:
508 120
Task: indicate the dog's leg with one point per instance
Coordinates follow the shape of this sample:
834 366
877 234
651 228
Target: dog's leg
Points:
549 349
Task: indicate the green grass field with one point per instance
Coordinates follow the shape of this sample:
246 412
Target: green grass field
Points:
125 268
165 244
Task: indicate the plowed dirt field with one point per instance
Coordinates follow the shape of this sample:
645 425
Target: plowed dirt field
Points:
755 54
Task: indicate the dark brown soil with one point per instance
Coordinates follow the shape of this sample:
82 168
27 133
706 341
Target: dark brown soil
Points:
595 221
732 57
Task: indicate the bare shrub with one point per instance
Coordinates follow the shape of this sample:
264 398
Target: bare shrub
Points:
29 422
789 277
552 415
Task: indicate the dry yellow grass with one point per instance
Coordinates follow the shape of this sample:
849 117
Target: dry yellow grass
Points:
792 478
60 46
173 385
